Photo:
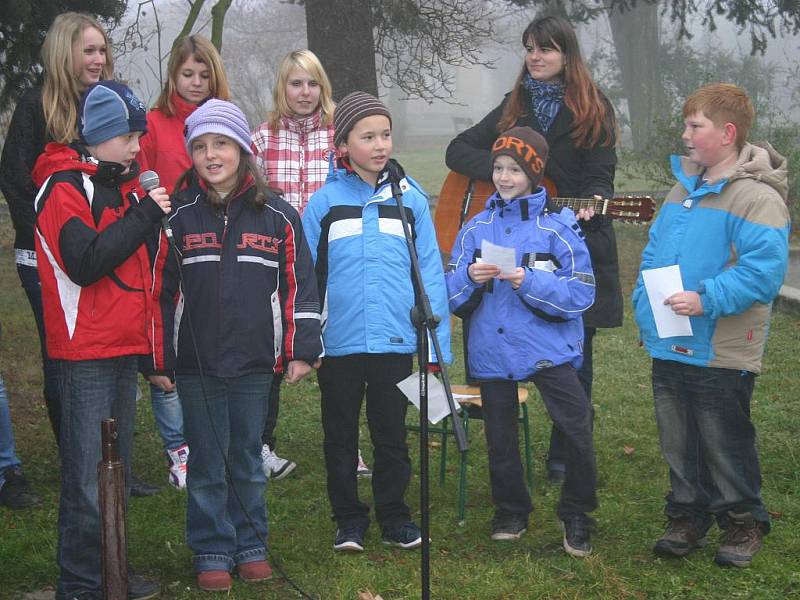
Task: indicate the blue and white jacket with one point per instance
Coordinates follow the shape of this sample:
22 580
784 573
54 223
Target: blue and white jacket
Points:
513 334
363 267
730 238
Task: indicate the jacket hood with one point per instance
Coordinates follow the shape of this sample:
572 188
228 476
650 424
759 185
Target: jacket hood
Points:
59 157
759 161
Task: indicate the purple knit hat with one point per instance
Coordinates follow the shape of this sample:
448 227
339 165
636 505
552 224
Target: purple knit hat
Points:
221 117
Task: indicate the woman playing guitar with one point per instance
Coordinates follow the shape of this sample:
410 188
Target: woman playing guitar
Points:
556 96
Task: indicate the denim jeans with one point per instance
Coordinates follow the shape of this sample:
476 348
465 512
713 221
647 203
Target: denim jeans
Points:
268 437
29 277
168 414
93 390
228 421
708 441
8 455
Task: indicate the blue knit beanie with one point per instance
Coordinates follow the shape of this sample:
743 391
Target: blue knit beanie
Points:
221 117
109 109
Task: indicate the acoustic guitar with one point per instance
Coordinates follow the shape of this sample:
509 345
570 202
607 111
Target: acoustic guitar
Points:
462 198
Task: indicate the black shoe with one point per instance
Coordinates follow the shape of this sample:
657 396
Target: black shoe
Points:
140 489
140 588
16 492
556 476
578 536
509 527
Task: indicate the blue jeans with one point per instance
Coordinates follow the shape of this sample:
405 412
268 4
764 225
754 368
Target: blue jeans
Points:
168 414
8 455
708 441
232 416
29 277
92 390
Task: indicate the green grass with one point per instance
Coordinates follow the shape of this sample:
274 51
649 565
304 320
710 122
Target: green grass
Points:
465 563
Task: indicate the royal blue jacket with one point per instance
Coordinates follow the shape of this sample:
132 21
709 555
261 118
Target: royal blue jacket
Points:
513 334
364 269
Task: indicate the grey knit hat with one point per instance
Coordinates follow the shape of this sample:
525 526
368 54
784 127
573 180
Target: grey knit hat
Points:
352 108
221 117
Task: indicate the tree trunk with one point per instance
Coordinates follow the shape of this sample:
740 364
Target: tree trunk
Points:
635 34
340 32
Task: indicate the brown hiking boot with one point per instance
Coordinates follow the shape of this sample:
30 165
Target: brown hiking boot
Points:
741 541
683 535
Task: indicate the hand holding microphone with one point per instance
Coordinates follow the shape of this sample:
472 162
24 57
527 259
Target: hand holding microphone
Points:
150 182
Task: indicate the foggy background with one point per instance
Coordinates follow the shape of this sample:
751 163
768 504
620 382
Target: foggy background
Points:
258 33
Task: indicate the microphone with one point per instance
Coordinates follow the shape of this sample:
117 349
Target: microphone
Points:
149 180
395 174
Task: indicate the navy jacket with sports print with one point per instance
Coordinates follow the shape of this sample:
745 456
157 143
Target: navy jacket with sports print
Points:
513 334
248 280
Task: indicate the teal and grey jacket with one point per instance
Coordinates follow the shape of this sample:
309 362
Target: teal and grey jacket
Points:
730 238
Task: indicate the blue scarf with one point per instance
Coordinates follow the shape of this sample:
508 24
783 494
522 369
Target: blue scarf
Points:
546 99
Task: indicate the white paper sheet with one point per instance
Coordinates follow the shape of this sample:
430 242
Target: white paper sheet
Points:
503 257
660 285
438 408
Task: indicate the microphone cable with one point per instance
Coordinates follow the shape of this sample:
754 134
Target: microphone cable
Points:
275 562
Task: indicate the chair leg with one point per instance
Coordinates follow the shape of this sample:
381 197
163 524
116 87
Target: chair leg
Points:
528 452
443 459
462 478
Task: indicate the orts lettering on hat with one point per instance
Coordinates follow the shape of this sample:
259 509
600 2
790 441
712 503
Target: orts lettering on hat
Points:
108 109
220 117
527 147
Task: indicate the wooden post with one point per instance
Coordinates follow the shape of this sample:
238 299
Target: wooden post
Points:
114 536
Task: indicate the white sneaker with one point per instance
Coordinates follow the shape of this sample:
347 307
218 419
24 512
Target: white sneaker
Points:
362 470
178 460
273 465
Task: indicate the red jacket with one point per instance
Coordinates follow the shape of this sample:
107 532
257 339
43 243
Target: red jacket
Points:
163 149
95 270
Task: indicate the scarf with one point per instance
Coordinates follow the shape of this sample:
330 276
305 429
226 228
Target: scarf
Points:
546 99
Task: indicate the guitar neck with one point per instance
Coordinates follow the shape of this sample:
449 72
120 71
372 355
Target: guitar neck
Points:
576 204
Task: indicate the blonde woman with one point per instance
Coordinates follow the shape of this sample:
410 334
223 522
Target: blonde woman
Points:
75 54
195 73
292 152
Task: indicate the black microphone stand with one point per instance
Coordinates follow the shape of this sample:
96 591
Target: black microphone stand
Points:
425 322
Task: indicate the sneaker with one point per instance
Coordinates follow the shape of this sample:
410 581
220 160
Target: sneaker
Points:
509 527
349 538
140 588
683 535
214 581
273 465
141 489
406 536
16 491
577 536
741 541
362 469
257 570
178 460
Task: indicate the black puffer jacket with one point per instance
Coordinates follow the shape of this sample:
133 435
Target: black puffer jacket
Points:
24 143
576 173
